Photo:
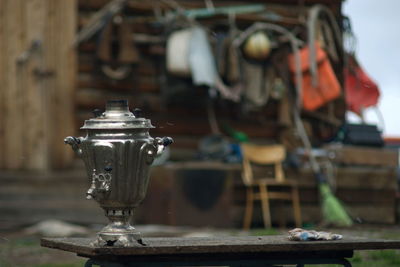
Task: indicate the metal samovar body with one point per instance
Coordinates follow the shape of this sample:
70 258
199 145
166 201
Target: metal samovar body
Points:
118 151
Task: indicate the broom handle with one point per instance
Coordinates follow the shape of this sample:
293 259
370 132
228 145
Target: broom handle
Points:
306 142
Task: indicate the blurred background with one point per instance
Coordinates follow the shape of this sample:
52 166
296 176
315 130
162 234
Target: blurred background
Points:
316 77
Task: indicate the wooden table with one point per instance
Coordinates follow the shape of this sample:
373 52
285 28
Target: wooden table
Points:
221 251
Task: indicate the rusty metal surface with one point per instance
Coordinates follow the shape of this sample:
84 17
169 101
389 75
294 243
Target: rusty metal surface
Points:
216 246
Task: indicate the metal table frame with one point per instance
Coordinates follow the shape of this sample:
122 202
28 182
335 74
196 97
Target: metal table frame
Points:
299 262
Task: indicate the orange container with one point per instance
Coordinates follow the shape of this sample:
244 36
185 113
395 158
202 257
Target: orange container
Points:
328 87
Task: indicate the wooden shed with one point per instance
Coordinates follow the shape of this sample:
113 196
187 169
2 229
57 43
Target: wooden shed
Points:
50 82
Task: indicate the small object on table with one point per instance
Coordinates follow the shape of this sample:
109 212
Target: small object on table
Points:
298 234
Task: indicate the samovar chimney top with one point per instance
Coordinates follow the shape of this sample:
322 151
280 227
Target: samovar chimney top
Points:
117 105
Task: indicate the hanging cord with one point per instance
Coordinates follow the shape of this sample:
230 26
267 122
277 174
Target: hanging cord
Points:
329 169
98 20
313 16
180 12
233 29
175 5
350 42
306 141
381 119
212 118
209 4
157 10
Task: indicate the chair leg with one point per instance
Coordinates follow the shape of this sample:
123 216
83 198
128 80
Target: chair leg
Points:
248 214
265 206
296 206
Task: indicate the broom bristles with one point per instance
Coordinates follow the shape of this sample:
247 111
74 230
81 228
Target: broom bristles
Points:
332 209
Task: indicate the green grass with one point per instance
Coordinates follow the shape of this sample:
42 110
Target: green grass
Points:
26 251
376 258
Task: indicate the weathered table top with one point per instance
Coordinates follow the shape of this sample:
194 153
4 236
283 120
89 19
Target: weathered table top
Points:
220 245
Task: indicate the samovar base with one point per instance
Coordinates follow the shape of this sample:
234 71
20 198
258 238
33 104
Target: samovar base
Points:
118 233
105 239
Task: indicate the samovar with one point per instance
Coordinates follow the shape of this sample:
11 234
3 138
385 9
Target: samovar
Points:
118 152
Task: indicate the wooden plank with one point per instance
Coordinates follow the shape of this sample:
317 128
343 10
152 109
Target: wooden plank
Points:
13 126
217 245
30 103
312 213
351 177
353 196
170 124
383 213
143 84
87 66
3 81
88 99
25 143
144 6
353 155
348 196
60 59
29 197
16 219
34 137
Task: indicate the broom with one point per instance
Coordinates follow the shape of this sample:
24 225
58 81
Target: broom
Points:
332 209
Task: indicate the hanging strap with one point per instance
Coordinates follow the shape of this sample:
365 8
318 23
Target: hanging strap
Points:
314 14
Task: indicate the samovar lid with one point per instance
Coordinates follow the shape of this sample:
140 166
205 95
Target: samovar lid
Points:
117 116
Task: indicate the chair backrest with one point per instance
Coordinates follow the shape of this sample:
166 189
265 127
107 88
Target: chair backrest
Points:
262 155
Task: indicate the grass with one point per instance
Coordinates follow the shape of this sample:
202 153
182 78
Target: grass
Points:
26 251
380 258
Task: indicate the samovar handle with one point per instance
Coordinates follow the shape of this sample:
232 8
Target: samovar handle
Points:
74 142
154 149
161 143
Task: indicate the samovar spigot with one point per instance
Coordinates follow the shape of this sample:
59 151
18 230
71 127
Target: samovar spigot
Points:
101 184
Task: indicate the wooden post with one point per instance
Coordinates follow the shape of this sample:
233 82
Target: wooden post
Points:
2 81
36 88
35 142
60 59
13 38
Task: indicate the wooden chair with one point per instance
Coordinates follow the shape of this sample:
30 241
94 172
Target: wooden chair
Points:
265 188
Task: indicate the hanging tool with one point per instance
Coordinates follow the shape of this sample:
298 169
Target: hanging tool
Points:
116 51
333 211
314 13
99 20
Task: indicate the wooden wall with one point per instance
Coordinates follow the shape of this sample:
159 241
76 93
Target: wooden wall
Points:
173 198
36 93
368 193
174 105
38 102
